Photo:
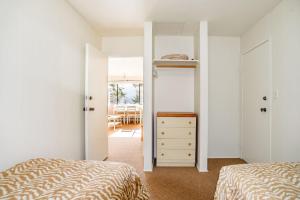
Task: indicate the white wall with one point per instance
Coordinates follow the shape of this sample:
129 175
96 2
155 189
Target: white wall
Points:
41 80
165 44
282 26
174 88
128 46
125 68
223 97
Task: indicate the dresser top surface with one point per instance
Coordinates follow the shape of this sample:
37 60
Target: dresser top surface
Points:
176 114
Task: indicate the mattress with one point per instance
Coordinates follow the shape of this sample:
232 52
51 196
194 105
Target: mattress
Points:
66 179
259 181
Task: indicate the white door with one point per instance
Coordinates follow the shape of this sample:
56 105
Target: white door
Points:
96 137
256 98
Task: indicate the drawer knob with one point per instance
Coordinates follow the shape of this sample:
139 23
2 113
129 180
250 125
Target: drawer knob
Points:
190 144
162 133
162 144
162 122
190 133
190 122
190 154
162 154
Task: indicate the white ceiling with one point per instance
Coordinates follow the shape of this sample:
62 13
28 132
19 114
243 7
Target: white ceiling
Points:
126 17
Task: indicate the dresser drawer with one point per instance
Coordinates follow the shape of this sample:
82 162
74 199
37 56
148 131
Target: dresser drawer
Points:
175 144
188 133
169 155
176 122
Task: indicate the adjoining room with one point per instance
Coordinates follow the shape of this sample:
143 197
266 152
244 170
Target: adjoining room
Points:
125 109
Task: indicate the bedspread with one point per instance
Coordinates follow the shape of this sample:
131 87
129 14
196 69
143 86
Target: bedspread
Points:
66 179
259 181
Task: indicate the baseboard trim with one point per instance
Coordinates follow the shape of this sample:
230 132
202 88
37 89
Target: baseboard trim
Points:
201 170
223 157
148 169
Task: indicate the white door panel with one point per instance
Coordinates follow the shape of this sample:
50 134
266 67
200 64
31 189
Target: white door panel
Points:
256 86
96 138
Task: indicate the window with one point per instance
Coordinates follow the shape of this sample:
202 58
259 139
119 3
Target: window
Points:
125 93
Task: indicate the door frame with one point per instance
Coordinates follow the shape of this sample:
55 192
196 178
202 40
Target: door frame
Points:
270 94
148 102
85 99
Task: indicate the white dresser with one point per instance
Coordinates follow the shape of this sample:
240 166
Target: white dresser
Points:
176 139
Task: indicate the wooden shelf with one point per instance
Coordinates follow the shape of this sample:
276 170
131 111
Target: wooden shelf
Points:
176 114
167 63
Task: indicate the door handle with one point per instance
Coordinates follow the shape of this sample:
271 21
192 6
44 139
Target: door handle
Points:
88 109
264 98
263 109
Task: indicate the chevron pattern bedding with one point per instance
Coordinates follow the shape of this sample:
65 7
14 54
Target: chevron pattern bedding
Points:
259 181
62 179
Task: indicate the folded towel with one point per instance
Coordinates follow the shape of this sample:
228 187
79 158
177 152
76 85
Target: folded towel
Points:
175 57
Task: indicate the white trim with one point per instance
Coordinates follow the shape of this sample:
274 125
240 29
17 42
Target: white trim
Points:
148 165
221 157
255 46
203 115
270 94
85 100
241 108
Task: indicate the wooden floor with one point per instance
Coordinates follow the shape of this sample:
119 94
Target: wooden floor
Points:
166 183
124 127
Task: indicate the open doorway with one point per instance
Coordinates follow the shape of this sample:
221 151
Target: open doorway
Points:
125 109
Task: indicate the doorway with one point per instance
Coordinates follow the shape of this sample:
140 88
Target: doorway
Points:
125 110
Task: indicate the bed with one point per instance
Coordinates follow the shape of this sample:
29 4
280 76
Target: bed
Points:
259 181
66 179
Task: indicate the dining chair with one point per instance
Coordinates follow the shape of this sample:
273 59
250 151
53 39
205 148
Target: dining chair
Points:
131 113
121 110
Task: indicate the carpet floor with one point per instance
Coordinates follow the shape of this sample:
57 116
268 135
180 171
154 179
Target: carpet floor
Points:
169 183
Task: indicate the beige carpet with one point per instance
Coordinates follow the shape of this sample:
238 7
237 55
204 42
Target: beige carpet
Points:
167 183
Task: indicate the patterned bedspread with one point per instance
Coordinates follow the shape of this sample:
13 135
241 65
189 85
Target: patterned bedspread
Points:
259 181
61 179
